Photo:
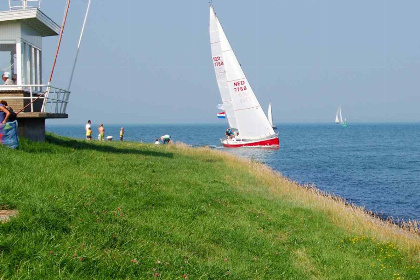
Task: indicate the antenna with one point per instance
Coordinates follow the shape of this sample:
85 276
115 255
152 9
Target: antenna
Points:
24 4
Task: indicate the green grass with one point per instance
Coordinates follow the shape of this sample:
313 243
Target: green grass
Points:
90 210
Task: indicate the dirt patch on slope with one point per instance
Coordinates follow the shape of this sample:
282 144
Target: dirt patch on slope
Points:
6 214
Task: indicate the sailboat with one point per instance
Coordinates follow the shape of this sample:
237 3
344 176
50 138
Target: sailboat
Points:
270 116
338 115
242 109
339 118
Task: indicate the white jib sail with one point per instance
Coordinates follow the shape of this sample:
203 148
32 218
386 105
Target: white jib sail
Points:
341 117
219 69
270 115
251 121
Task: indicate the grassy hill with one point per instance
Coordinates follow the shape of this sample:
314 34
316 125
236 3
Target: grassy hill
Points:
111 210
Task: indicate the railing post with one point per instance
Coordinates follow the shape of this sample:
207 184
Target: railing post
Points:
32 97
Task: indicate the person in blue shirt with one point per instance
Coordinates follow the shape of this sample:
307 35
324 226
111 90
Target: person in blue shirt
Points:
229 133
4 113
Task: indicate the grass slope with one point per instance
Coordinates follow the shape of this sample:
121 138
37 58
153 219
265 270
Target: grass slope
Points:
137 211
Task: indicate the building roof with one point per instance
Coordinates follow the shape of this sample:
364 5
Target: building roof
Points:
34 18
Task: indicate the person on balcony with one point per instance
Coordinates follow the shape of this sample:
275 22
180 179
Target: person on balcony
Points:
6 78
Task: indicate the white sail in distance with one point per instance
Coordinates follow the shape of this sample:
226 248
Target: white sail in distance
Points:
337 120
219 69
341 117
270 115
251 121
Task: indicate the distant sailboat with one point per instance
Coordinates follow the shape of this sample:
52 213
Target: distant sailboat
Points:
339 118
270 116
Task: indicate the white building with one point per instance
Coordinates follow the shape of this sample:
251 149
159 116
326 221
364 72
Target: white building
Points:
22 28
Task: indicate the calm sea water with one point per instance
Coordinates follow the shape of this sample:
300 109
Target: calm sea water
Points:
371 165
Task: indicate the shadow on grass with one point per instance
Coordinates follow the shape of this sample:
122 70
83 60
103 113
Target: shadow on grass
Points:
81 145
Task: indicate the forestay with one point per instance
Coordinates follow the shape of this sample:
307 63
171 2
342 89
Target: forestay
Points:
251 121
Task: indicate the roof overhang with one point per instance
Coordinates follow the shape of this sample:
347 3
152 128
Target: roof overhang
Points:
33 18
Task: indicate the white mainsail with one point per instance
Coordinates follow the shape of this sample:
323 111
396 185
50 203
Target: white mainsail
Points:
341 117
270 115
219 68
248 115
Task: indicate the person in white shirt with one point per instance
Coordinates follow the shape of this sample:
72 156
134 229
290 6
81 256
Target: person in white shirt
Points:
87 127
6 78
165 139
157 142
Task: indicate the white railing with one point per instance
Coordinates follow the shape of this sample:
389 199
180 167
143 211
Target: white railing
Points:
53 99
23 4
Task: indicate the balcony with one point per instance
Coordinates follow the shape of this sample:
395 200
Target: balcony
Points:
51 105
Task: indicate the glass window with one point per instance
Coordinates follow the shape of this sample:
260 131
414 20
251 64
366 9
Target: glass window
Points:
8 64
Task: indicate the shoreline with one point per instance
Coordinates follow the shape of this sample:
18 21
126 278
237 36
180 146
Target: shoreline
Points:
407 229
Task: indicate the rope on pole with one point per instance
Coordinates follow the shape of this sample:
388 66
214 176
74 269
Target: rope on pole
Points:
59 40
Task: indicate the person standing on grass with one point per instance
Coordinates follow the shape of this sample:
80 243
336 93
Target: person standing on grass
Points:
4 113
157 142
101 131
89 134
122 134
87 126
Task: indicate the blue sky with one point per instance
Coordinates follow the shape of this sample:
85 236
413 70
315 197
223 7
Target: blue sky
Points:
150 61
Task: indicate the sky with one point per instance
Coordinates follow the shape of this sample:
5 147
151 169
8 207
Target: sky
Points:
145 62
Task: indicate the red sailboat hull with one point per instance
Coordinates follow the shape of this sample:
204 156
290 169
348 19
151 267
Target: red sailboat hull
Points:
266 143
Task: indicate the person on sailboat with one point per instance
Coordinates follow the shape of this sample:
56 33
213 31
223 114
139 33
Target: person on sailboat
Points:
229 133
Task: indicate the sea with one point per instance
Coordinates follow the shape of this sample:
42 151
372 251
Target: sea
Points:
376 166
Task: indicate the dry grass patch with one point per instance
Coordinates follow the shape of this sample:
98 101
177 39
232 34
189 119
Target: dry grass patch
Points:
302 261
6 214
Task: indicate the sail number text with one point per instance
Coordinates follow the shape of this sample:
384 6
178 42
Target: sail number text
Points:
217 60
239 86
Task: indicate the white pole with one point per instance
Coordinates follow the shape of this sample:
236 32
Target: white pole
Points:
77 55
78 45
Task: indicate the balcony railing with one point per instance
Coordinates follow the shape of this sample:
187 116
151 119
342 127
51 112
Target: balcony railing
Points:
53 99
23 4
